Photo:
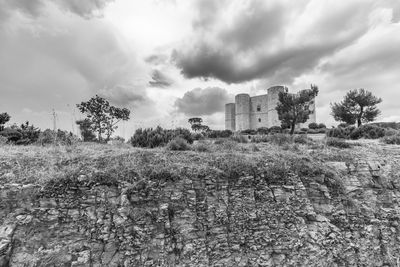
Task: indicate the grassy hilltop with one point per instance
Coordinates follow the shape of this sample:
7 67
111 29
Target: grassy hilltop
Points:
282 202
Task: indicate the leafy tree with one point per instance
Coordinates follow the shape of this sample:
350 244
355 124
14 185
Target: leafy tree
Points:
195 123
102 116
358 106
4 118
86 130
295 108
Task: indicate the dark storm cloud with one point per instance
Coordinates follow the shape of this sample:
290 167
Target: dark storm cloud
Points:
160 80
126 95
34 8
198 102
267 40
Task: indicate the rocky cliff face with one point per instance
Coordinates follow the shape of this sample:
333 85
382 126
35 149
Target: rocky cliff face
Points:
208 218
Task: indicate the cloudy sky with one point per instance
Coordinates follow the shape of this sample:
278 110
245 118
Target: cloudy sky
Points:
168 60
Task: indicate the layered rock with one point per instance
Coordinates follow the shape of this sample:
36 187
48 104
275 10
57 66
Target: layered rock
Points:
206 219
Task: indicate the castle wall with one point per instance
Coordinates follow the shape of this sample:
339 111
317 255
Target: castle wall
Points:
258 111
273 99
258 118
230 115
242 108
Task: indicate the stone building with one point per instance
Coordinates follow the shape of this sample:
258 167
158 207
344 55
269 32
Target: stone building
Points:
257 111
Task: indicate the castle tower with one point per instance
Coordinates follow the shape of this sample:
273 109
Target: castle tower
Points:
242 109
273 99
230 115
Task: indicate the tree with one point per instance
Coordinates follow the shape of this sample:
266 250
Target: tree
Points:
102 116
195 123
358 106
4 118
86 130
295 108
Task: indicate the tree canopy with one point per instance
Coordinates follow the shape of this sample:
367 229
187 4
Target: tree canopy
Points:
4 118
358 106
295 108
196 125
102 116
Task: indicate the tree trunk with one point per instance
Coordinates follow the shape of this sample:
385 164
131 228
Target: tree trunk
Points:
359 122
292 128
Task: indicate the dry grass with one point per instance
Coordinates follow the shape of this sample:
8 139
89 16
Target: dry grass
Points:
39 165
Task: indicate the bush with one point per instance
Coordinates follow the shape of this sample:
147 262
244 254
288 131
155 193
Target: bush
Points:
321 126
239 138
3 140
313 125
391 132
275 129
178 144
302 139
339 143
12 135
262 130
198 136
249 131
219 134
151 138
261 139
281 139
60 137
202 147
391 140
21 135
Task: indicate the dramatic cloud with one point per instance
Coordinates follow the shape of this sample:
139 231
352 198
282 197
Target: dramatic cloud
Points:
59 60
206 101
267 39
34 8
160 80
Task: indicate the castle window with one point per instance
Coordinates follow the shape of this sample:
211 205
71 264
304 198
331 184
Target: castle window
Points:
258 107
259 120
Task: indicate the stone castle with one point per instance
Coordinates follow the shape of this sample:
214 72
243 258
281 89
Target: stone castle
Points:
257 111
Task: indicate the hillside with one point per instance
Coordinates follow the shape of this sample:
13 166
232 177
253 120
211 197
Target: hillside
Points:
237 205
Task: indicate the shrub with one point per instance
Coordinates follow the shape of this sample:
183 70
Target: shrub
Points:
372 131
12 135
339 143
261 139
391 140
3 140
275 129
249 131
60 137
219 134
239 138
227 144
24 134
262 130
321 126
336 133
178 144
281 139
151 138
313 125
302 139
202 147
198 136
391 132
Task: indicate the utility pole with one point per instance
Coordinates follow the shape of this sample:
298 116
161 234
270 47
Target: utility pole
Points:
54 125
